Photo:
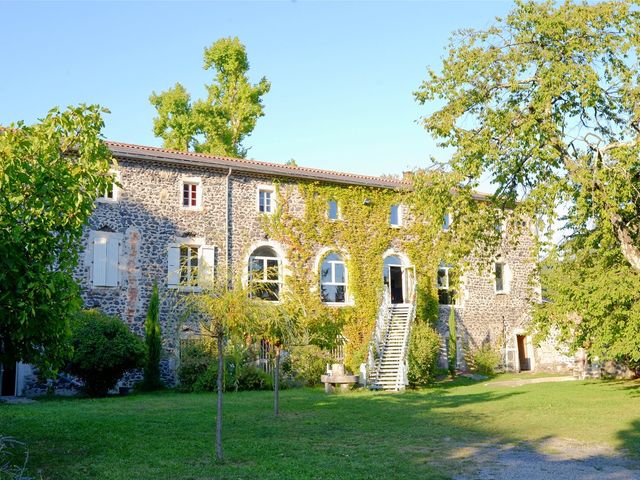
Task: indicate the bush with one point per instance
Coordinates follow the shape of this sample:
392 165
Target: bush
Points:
195 359
103 350
452 344
484 359
424 347
307 363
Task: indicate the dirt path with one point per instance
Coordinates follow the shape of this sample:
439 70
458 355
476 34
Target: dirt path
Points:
527 381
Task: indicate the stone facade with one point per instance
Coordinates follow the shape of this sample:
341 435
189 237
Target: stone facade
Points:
146 216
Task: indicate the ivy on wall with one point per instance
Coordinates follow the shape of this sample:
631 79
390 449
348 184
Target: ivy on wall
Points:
362 235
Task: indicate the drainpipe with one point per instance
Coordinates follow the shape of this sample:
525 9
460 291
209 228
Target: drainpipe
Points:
228 228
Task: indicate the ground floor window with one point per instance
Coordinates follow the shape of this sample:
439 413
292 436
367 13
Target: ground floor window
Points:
265 273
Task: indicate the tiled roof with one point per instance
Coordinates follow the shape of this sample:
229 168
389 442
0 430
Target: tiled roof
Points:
126 150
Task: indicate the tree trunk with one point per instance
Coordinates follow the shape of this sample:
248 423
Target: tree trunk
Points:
629 251
276 384
219 409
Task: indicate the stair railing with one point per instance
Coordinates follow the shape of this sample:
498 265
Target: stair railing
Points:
402 379
378 335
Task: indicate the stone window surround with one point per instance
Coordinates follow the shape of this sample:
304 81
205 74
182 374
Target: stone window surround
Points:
114 188
266 188
199 188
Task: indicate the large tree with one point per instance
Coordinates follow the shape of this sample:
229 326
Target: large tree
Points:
50 175
546 104
219 123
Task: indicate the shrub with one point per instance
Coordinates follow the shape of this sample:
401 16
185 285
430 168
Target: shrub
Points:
195 359
424 347
153 339
103 350
484 359
307 363
452 343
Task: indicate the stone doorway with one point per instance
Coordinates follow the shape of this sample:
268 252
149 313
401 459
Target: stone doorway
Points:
523 355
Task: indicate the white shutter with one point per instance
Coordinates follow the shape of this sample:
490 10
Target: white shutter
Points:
112 260
99 260
173 271
207 264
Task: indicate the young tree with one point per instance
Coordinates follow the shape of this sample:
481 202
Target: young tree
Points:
224 311
50 175
228 114
153 339
545 105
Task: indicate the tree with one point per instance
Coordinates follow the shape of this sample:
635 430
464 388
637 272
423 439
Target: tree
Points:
153 339
228 114
224 311
545 104
50 175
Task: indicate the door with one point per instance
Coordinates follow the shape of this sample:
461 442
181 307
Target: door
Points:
8 383
525 363
396 284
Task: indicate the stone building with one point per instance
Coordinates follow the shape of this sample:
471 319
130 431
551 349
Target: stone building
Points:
175 214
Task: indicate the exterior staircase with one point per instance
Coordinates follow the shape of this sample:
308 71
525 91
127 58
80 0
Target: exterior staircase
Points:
388 357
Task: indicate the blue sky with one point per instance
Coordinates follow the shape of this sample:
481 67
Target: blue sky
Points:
342 74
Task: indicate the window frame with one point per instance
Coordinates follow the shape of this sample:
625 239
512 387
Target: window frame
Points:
338 213
272 198
506 278
111 238
203 267
333 282
447 221
265 272
399 215
450 293
197 182
115 189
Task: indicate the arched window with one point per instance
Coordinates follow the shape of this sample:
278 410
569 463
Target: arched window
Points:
265 274
333 279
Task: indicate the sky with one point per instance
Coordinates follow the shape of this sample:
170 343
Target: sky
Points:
342 73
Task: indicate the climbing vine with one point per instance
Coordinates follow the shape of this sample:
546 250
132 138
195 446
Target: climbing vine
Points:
362 234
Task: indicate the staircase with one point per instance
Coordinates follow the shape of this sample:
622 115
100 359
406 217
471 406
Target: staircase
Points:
389 369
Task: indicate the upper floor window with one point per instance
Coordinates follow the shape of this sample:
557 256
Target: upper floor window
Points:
190 264
502 277
265 273
111 193
333 279
446 222
443 282
395 217
332 210
106 259
266 199
191 193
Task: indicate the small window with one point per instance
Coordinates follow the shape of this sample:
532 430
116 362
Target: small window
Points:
332 211
111 193
501 277
395 219
446 222
106 259
191 193
333 279
266 197
265 274
443 281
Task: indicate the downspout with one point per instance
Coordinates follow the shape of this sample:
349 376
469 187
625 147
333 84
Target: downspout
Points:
228 228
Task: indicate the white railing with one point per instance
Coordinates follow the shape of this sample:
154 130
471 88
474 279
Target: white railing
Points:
402 380
379 333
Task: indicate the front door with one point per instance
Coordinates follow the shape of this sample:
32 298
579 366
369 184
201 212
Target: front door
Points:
525 363
8 383
396 284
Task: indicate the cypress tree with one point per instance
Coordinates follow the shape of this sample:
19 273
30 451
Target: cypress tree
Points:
153 337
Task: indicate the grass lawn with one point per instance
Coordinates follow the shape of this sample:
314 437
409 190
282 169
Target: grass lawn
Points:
416 434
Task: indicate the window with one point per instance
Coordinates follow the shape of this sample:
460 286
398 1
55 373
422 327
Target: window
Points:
502 279
264 273
111 193
332 211
395 219
190 264
446 222
266 199
333 279
445 293
191 193
106 258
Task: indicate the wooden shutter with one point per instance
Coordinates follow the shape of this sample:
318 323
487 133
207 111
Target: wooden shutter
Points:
112 262
99 260
173 270
207 264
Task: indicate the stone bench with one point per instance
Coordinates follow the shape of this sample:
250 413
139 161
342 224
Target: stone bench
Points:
336 377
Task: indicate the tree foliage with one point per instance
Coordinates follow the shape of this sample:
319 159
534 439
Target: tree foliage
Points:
218 124
545 104
50 175
153 339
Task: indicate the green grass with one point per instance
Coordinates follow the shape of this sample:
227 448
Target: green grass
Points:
361 434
